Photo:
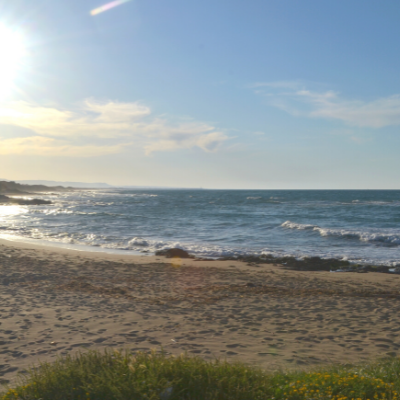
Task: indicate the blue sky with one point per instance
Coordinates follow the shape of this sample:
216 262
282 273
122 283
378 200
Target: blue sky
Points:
214 94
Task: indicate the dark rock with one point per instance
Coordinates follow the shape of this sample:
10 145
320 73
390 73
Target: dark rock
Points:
4 198
314 264
175 252
33 202
375 268
305 264
22 202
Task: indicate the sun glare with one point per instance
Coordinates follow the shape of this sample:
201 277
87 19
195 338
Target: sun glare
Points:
12 52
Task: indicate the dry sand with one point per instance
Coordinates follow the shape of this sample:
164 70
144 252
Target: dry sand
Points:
54 302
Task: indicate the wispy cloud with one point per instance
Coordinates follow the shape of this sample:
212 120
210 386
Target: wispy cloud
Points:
44 146
182 135
108 6
296 99
97 128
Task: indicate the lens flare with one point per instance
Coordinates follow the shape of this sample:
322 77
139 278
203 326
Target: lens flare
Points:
108 6
176 262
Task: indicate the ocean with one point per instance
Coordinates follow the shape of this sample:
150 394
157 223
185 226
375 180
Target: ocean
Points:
361 226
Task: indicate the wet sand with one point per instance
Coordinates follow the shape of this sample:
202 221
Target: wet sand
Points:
55 301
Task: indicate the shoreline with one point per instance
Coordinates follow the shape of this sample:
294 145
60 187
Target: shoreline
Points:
39 244
312 263
58 301
145 222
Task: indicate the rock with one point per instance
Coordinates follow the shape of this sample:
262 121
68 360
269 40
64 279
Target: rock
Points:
22 202
175 252
35 202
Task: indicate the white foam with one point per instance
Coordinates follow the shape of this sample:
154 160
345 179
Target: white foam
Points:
92 242
293 225
138 241
81 214
379 236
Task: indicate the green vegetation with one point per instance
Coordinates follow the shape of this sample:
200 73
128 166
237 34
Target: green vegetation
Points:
155 376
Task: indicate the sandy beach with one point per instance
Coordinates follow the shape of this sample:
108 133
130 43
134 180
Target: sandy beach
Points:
57 301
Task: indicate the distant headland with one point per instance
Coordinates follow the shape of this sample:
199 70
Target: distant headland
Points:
81 185
11 188
93 185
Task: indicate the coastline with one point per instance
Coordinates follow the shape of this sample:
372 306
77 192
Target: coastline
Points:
55 301
218 224
308 263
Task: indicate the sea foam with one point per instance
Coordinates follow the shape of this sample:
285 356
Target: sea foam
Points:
384 237
219 223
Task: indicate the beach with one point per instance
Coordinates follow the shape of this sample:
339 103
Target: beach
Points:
57 301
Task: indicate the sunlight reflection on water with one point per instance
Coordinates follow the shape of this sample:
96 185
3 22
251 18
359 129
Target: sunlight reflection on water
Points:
10 210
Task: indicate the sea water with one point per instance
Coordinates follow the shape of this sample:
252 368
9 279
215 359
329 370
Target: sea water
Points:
359 226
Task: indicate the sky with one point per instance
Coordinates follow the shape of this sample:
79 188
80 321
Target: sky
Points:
258 94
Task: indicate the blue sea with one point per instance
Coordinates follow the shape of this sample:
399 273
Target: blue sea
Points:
359 226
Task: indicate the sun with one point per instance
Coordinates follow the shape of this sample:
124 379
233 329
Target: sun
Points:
12 53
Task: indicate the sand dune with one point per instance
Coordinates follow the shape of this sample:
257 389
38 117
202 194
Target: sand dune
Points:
55 301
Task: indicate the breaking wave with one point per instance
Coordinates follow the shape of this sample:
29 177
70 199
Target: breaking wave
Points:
371 236
218 223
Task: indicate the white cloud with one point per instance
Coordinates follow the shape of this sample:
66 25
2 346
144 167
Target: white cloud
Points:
374 114
113 111
89 129
103 120
299 101
183 135
44 146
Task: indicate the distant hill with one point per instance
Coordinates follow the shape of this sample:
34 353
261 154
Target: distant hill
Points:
14 188
98 185
52 185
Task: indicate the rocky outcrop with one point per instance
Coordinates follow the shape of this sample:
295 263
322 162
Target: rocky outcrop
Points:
175 252
22 202
10 187
315 264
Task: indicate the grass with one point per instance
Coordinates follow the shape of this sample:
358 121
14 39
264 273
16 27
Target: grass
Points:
155 376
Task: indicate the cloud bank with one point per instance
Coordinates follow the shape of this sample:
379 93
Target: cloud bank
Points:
98 128
297 100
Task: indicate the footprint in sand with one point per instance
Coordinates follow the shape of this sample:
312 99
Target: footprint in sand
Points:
99 340
382 340
383 346
234 345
